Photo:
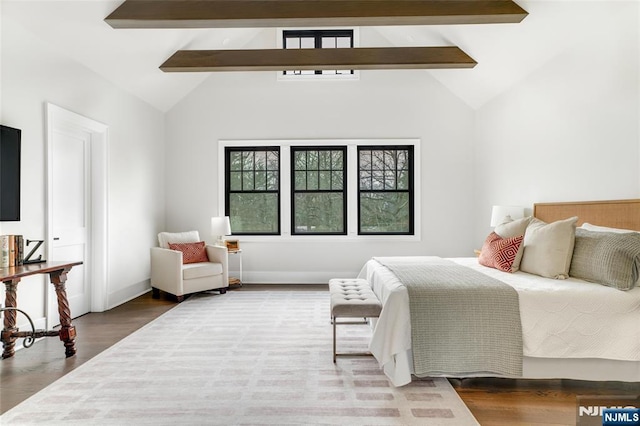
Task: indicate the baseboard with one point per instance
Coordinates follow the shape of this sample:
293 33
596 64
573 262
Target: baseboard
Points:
128 293
288 277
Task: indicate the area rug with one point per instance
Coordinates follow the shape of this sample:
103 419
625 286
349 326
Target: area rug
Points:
242 358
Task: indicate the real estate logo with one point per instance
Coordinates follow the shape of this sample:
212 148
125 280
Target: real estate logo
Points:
609 410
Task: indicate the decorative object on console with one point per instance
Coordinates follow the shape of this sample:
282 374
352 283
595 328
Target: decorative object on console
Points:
220 227
27 258
11 250
502 214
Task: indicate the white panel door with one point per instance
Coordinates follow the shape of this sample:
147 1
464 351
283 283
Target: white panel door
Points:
70 215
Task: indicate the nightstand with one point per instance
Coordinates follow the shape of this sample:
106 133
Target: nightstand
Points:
233 281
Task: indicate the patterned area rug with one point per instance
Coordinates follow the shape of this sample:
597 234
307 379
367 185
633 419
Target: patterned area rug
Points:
243 358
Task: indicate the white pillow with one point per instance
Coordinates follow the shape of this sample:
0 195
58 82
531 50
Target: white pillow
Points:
548 248
164 238
596 228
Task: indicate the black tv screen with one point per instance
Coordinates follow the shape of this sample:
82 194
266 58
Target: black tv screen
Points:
9 173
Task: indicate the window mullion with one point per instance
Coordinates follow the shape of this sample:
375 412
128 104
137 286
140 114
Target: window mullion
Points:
306 169
318 169
352 182
254 169
330 170
287 185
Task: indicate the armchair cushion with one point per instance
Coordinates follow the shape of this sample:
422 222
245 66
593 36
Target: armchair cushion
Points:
191 252
198 270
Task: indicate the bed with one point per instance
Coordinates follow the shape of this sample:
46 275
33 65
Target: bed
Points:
570 328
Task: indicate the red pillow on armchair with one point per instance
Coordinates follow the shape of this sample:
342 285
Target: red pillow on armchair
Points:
191 252
499 253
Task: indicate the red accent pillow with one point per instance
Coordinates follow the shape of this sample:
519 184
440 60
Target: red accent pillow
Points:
499 253
191 252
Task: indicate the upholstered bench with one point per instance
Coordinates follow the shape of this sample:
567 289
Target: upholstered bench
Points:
351 298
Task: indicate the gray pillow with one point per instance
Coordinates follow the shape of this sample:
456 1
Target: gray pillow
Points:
608 258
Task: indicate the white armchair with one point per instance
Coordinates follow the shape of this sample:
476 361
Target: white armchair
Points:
169 274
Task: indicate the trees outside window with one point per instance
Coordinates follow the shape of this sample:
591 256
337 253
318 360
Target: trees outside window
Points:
319 197
385 190
253 190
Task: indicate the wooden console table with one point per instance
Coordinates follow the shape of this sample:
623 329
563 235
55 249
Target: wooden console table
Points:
58 275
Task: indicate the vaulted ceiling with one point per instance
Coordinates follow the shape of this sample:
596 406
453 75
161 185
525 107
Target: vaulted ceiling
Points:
130 58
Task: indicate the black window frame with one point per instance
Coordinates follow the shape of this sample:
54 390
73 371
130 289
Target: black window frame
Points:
343 191
228 191
410 191
317 36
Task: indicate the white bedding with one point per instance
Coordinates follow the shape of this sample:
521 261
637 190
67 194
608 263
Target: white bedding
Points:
561 319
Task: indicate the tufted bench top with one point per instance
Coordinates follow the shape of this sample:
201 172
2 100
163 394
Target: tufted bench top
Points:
353 298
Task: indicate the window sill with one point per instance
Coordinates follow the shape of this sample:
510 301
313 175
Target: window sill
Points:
307 239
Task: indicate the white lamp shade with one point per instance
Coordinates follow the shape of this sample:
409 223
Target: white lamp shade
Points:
502 214
220 226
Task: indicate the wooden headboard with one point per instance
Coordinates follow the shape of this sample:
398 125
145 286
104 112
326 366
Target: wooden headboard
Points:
623 214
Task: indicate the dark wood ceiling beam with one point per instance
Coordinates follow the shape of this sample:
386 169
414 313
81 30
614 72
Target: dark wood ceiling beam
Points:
305 13
317 59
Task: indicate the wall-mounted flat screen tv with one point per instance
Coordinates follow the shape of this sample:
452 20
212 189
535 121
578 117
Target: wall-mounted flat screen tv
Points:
9 173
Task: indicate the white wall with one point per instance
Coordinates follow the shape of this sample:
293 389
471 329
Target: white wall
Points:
569 131
34 73
382 104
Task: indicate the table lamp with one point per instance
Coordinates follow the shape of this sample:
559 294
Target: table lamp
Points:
503 214
220 226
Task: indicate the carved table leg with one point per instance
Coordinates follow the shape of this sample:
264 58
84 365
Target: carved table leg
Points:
9 342
67 330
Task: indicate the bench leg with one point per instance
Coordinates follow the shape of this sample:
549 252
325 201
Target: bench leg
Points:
334 339
334 322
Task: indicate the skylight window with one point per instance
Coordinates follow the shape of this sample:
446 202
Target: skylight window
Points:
318 39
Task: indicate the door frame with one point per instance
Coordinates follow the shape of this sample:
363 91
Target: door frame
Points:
98 201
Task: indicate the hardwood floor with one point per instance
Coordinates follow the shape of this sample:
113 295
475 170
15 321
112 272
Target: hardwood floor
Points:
492 401
532 402
32 369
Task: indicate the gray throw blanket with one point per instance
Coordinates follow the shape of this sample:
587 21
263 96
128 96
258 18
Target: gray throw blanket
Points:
462 321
